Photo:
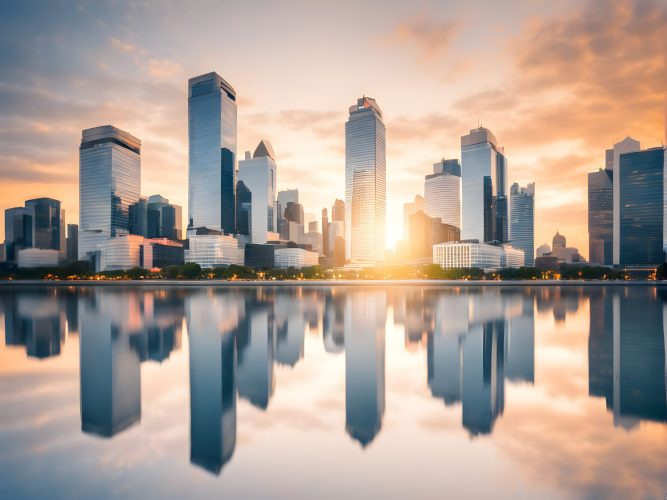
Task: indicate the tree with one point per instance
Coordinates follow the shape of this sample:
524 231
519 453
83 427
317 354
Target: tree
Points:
191 270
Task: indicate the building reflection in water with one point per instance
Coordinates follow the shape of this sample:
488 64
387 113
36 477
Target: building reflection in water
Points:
480 339
255 343
109 363
118 330
36 320
626 354
213 321
365 316
475 340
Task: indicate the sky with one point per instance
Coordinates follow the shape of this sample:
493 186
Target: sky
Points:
556 82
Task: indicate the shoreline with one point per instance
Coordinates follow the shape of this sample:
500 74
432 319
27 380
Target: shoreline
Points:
321 283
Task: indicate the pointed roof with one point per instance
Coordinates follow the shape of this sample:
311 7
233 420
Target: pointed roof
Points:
264 148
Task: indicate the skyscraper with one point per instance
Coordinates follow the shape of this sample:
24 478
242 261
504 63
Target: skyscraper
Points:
109 182
167 221
212 153
259 175
641 202
365 183
601 216
522 221
72 242
48 223
338 211
409 209
442 192
484 211
18 231
613 157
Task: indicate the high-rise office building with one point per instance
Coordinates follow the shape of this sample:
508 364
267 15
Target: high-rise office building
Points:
484 210
72 242
409 209
18 231
212 153
522 220
285 198
442 192
613 158
338 211
48 224
243 208
365 183
259 175
601 216
167 221
425 232
109 182
325 233
640 185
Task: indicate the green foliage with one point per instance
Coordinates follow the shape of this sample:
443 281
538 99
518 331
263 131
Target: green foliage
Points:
570 272
522 273
191 270
661 272
137 273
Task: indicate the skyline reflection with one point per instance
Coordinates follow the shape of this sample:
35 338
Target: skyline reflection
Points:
475 343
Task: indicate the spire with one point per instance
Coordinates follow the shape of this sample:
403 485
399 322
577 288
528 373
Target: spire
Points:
263 149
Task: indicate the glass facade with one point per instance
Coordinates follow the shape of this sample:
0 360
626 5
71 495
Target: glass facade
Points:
522 221
442 193
601 217
212 153
365 183
109 182
214 250
18 231
484 208
259 175
48 223
480 255
641 195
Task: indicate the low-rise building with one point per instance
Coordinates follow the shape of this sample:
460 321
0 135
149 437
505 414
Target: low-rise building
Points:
166 252
467 254
38 257
213 250
124 252
295 257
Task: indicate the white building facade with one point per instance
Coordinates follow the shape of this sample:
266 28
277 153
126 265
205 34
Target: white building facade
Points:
214 250
259 174
442 193
125 252
295 257
38 257
459 255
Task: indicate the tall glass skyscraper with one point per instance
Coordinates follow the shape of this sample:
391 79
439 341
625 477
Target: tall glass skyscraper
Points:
365 183
522 221
442 192
601 216
484 208
212 153
613 158
109 182
259 175
641 199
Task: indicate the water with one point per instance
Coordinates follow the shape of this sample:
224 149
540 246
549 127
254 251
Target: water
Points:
341 392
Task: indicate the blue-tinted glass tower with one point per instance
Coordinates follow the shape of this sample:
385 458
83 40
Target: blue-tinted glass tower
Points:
212 153
641 185
109 182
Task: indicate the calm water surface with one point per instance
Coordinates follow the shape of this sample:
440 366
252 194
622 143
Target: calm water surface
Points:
341 392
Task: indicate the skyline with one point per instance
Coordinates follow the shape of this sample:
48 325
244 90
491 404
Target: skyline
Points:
75 69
